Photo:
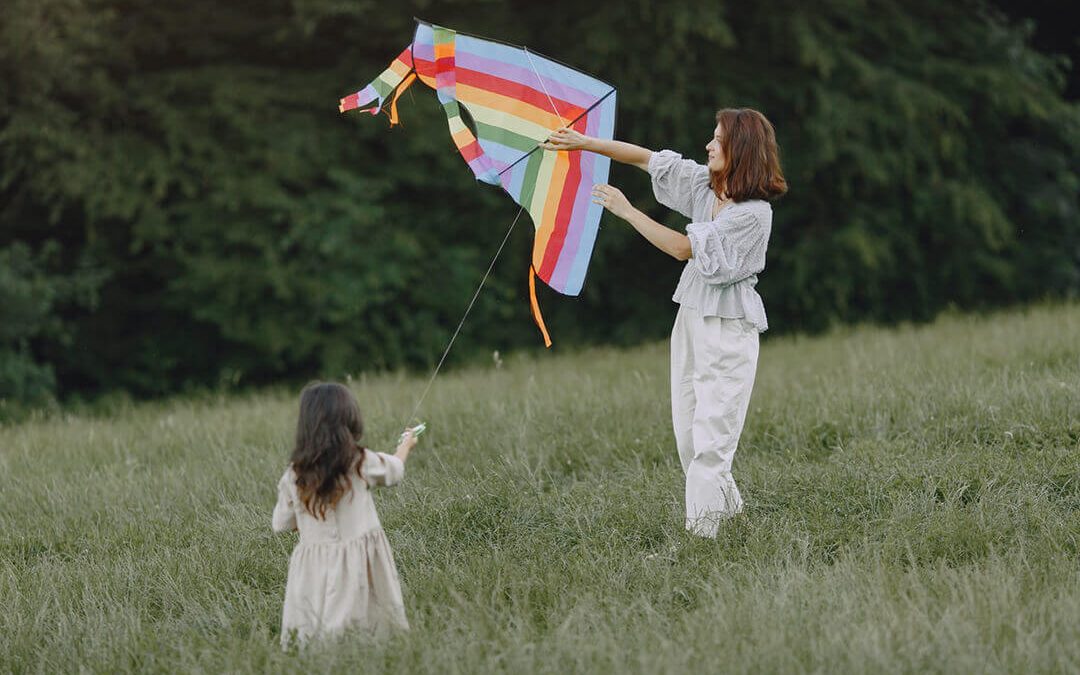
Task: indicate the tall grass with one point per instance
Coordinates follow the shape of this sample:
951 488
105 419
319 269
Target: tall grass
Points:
913 505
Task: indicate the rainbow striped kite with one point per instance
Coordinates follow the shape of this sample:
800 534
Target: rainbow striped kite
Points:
515 98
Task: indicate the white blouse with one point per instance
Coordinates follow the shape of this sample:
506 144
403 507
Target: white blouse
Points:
727 251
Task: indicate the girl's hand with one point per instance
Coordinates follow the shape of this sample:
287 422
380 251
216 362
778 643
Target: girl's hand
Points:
566 139
612 199
408 440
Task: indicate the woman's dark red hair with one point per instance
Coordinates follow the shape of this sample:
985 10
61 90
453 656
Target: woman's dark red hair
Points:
327 435
751 157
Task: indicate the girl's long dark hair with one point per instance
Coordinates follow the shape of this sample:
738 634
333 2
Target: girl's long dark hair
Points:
327 435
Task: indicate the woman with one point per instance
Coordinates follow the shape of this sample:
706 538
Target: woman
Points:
714 343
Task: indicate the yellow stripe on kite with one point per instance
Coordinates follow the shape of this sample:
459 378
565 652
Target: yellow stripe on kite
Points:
546 119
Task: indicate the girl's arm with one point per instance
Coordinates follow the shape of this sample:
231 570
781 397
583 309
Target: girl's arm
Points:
627 153
381 469
284 518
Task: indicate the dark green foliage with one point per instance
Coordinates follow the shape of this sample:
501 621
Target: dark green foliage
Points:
239 229
26 300
31 302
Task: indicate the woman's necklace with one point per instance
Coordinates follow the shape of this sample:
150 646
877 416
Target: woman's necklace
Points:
720 204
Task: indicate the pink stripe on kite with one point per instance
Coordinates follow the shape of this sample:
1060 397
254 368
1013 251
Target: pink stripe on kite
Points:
520 91
471 151
557 240
499 85
588 125
508 71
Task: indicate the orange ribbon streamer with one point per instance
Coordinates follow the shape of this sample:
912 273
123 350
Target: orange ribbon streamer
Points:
409 79
536 308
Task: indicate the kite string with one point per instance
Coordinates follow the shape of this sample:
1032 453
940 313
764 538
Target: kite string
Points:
541 80
462 322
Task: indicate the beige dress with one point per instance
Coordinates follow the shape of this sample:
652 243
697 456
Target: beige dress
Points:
341 573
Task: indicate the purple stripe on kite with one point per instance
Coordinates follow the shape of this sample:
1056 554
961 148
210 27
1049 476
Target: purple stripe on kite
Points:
576 278
579 220
367 95
514 179
580 223
606 129
525 77
482 169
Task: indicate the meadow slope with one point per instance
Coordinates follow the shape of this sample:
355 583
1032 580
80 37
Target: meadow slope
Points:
913 505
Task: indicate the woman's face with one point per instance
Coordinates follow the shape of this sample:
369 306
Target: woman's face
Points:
716 153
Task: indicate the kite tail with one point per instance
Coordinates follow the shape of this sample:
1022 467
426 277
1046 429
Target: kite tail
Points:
536 307
391 81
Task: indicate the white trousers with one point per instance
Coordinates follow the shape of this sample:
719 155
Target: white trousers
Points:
713 364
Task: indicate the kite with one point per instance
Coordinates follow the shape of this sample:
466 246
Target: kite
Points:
515 99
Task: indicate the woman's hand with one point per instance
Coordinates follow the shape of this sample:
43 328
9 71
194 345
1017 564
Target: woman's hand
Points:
612 199
566 139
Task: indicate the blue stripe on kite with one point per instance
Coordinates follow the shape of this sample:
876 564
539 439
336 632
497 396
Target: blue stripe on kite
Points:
499 152
513 180
424 43
516 56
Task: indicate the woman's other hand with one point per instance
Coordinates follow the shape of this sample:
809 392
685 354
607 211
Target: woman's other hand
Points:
612 199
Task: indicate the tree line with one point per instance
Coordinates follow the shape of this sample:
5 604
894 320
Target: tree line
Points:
182 206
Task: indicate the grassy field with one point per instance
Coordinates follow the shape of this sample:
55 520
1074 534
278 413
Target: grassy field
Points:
912 505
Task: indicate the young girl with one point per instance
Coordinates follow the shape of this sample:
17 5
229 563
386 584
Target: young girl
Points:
341 573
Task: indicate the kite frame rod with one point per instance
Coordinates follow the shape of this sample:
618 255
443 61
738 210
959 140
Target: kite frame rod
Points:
587 111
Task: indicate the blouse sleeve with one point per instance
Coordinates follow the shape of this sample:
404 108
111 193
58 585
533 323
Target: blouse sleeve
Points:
727 250
381 469
284 519
676 182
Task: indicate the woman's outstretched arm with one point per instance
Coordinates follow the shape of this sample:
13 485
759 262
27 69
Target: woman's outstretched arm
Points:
626 153
675 244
